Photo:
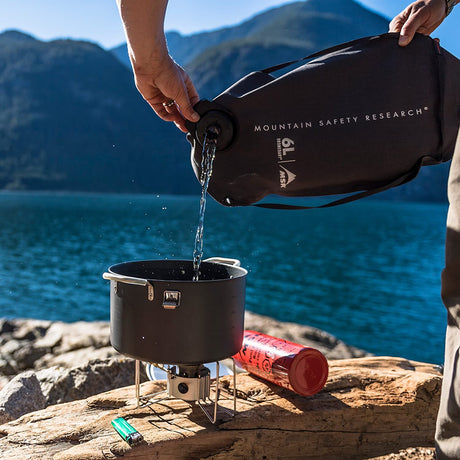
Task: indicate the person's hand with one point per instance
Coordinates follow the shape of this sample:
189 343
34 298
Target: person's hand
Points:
422 16
169 91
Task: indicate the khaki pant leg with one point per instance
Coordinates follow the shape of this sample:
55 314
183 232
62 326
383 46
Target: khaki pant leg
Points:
448 422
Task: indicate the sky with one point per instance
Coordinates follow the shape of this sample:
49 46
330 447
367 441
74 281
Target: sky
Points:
98 20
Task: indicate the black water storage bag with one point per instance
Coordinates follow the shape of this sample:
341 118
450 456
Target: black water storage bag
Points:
362 117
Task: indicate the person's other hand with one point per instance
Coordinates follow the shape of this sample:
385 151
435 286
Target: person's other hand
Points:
169 91
422 16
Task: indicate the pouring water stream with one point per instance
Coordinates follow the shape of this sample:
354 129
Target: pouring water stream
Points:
207 158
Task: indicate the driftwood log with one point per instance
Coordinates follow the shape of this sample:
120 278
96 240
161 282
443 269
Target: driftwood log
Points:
369 407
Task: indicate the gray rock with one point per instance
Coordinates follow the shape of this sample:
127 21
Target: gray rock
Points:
52 338
4 381
30 329
27 355
31 391
84 334
34 344
7 367
75 358
11 347
6 326
21 395
63 385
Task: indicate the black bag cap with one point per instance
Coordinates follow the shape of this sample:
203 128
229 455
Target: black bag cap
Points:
213 120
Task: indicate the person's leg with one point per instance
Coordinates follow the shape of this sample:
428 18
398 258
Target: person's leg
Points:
448 422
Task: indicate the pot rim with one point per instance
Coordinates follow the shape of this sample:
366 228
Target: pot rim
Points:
241 272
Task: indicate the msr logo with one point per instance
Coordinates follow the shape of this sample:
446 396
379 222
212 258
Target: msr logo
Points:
286 177
286 152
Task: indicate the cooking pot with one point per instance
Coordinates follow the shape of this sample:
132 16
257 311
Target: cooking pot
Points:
159 314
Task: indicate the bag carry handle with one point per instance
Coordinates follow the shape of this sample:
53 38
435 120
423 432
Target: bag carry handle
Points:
332 49
357 196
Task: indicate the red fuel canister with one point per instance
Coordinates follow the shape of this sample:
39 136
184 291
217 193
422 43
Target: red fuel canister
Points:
287 364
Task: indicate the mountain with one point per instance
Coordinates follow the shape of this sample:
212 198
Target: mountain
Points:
72 119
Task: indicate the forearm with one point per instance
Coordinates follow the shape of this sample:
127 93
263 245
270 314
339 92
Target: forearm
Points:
143 24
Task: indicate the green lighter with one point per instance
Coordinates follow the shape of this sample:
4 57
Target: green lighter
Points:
126 431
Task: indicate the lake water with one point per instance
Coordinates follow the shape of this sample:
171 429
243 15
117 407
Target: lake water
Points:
367 272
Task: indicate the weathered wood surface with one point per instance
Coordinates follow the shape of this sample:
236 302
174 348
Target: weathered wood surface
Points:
369 407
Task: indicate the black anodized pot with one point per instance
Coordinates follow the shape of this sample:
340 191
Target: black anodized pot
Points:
159 314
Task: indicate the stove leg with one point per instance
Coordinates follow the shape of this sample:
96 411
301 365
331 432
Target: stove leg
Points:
234 387
137 379
217 391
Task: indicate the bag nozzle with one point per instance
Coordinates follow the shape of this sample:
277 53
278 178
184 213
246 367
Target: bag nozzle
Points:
213 132
214 123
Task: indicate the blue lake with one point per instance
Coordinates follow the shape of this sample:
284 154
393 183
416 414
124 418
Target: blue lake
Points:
367 272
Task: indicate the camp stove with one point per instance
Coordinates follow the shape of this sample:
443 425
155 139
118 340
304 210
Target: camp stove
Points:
191 383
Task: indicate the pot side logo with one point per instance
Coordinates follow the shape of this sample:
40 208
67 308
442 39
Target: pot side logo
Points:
285 148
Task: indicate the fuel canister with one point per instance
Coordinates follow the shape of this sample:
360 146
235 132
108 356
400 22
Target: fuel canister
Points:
287 364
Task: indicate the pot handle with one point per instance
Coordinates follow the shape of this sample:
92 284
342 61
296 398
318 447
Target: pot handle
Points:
224 260
125 279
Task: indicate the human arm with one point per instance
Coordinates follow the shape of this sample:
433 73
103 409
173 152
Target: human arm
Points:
158 78
422 16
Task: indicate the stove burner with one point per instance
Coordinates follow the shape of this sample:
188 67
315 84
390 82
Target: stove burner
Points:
191 383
